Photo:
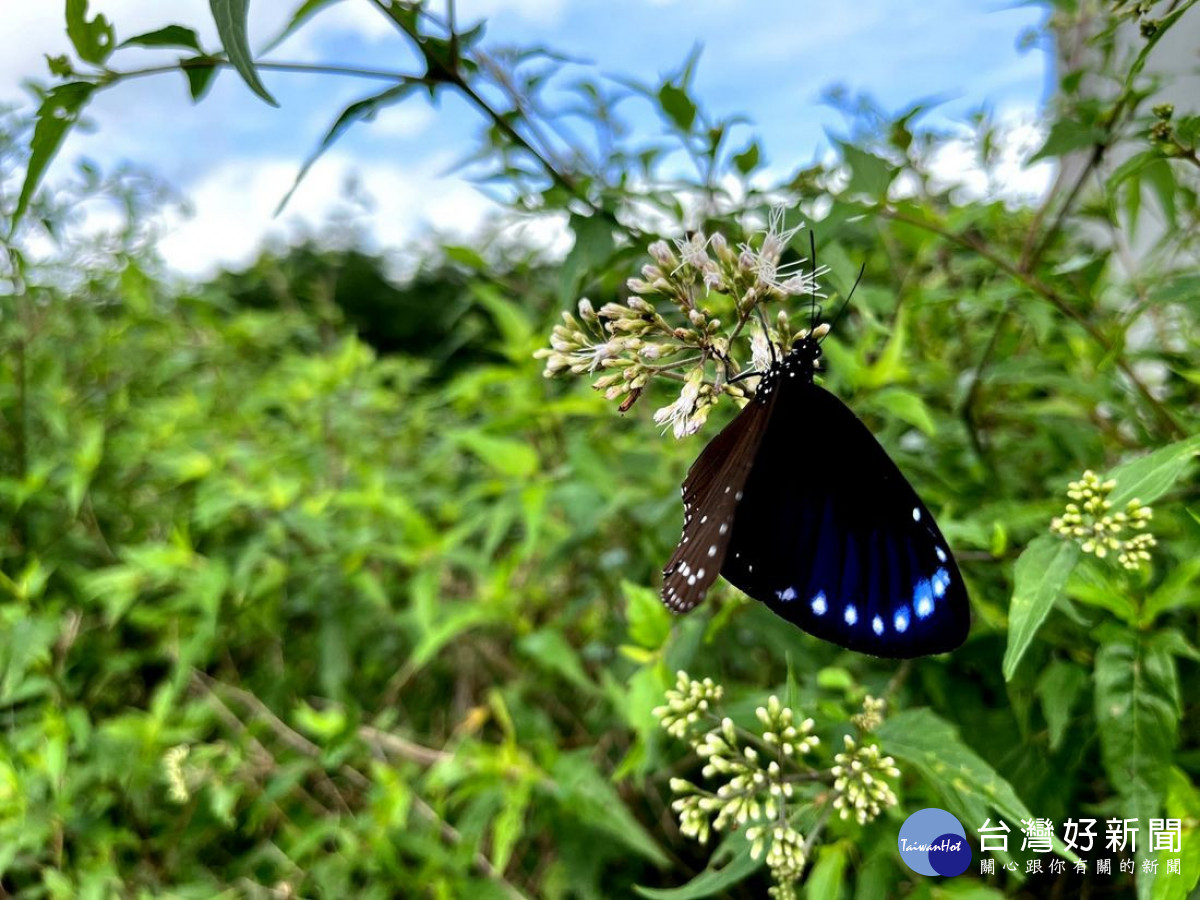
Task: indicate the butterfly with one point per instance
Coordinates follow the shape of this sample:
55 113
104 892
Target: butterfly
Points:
796 504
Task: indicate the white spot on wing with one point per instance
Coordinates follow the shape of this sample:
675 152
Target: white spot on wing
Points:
900 620
712 551
819 604
916 514
851 614
787 594
941 554
877 625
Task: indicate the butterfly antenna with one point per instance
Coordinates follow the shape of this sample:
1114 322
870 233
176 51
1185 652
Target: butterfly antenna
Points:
846 302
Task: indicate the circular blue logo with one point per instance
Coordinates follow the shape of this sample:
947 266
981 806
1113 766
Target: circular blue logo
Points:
933 842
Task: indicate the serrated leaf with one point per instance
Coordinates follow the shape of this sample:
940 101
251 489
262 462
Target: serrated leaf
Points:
230 18
171 36
93 40
360 111
1038 578
1151 476
1137 711
730 864
971 789
59 111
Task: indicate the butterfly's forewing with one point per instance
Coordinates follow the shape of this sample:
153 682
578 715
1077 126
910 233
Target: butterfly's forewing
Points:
831 536
711 494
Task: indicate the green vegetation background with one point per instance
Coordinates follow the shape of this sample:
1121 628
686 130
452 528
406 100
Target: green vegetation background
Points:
312 586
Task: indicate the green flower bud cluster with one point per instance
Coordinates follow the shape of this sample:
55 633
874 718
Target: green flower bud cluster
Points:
763 777
1089 521
860 785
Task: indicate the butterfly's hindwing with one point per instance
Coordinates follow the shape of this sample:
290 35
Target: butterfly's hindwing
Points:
831 536
712 492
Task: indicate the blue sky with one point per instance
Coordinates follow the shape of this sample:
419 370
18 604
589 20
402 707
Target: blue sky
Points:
233 156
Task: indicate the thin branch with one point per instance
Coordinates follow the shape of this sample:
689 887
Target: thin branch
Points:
1043 290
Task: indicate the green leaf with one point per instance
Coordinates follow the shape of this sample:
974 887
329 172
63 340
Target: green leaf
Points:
591 797
1150 477
1058 689
828 875
869 174
553 652
93 40
1038 578
971 789
1161 177
509 825
1164 25
360 111
199 72
677 106
1178 288
171 36
1066 136
593 247
1176 591
649 620
59 111
747 161
1137 709
1183 802
303 13
512 321
731 863
507 456
907 407
230 18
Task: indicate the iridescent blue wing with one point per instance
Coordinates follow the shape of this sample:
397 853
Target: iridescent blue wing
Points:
832 537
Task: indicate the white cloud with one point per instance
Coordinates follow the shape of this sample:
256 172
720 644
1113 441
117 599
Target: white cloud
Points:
235 201
1011 177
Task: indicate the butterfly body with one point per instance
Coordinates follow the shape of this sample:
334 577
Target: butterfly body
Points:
798 505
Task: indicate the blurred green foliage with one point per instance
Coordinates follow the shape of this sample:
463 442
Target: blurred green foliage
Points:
287 616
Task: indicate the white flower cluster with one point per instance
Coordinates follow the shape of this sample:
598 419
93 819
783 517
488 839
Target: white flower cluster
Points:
859 782
1088 521
633 342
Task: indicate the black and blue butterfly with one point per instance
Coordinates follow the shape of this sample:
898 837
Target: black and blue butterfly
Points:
798 505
